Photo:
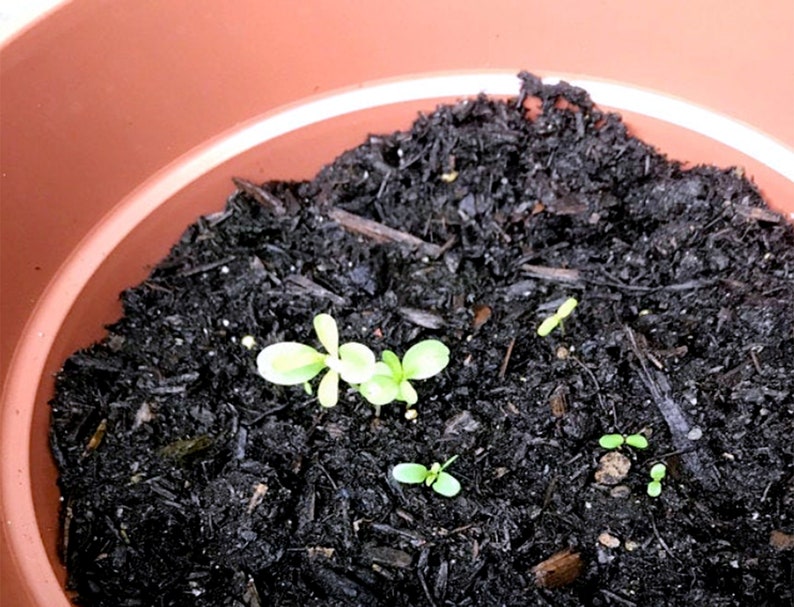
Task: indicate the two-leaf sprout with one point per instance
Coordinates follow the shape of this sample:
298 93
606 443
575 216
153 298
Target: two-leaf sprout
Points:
555 320
638 441
391 380
441 482
616 441
292 363
658 472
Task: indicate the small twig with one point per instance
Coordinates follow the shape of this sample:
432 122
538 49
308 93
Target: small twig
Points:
659 388
261 195
381 233
312 288
758 214
661 541
598 390
506 360
617 598
757 364
553 274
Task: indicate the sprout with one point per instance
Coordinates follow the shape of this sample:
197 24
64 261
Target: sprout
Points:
391 380
563 312
441 482
658 472
616 441
292 363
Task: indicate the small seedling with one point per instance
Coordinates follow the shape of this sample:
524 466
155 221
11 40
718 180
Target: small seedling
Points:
616 441
442 482
392 378
563 312
658 472
292 363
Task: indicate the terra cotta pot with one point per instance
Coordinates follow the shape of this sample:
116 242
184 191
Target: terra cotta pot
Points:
123 121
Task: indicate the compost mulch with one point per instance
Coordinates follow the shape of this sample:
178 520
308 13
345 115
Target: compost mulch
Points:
187 479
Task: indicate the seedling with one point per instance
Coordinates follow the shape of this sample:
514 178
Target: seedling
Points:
563 312
392 378
658 472
616 441
291 363
442 482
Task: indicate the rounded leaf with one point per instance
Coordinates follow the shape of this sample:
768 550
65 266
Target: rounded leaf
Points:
548 325
328 392
358 363
379 390
327 333
564 311
382 368
409 473
289 363
658 472
446 484
638 441
425 359
654 488
407 394
611 441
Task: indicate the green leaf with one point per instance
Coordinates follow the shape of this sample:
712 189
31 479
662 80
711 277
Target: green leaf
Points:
380 389
564 311
289 363
392 361
611 441
410 473
446 484
658 472
407 394
383 369
328 392
425 359
638 441
548 325
358 363
654 488
327 333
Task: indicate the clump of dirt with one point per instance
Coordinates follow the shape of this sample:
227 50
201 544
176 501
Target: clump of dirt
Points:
189 480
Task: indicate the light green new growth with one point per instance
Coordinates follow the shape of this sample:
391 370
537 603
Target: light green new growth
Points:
391 380
615 441
292 363
658 472
441 482
563 312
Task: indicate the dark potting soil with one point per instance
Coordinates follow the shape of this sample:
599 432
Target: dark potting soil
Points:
190 480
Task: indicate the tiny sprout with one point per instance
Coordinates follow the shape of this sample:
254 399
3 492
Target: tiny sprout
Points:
563 312
441 482
615 441
292 363
391 378
658 472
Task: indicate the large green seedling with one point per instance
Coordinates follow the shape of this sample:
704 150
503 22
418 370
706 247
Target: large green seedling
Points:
291 363
392 378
